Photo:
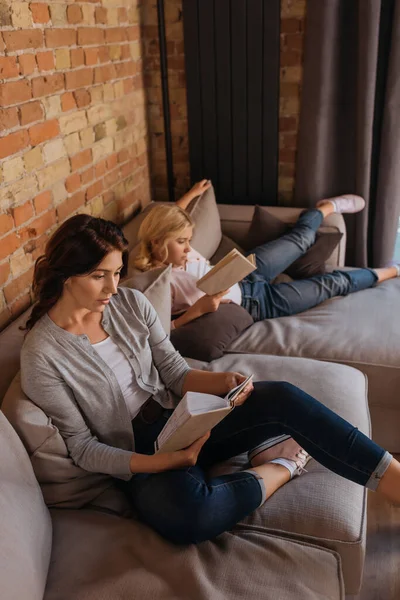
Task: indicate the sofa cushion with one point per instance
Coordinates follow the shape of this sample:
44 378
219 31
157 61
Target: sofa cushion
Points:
207 232
25 524
63 483
156 286
100 556
11 340
360 330
319 507
226 245
131 229
265 228
207 337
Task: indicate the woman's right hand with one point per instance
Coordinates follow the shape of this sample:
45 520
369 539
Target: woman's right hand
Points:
207 304
166 461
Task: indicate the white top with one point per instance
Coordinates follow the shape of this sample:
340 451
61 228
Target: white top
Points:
134 396
184 292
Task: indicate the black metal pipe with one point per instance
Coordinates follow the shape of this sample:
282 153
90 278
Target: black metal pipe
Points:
165 99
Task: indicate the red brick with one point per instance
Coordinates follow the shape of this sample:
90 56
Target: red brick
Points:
8 118
74 14
108 197
287 124
20 305
123 155
290 58
81 160
116 34
122 15
27 63
37 246
42 201
291 25
82 98
30 112
45 61
2 44
88 176
8 245
125 69
94 190
104 54
77 79
4 272
101 168
48 85
8 67
15 92
6 224
289 90
10 144
77 57
56 38
101 15
22 213
112 161
90 35
40 12
105 73
294 41
18 285
44 131
113 177
73 183
70 205
128 86
38 226
287 156
91 56
22 39
68 101
125 52
132 33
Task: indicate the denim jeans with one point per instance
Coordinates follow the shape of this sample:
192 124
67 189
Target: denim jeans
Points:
265 300
187 506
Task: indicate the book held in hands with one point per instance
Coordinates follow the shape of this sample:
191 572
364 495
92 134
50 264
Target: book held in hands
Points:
195 414
228 271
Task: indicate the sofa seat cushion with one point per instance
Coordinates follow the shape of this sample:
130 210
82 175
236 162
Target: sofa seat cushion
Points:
25 524
361 330
319 507
97 555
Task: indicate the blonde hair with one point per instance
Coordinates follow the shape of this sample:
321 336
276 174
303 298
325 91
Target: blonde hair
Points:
163 224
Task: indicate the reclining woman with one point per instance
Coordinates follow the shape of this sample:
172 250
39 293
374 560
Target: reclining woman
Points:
98 363
165 236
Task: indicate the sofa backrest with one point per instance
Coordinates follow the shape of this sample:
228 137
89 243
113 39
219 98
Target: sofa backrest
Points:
11 340
25 524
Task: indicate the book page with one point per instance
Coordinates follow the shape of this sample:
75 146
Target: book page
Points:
233 268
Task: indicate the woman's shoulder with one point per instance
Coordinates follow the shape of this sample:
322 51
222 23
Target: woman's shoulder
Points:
38 340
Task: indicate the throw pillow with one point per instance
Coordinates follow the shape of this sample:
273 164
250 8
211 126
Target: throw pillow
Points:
155 285
266 228
207 233
207 337
131 229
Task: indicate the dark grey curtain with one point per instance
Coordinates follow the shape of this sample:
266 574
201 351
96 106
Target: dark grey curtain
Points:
349 136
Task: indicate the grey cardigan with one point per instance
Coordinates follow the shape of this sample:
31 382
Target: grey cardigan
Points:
63 374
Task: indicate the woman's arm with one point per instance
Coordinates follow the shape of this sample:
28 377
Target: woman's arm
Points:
216 383
195 191
204 305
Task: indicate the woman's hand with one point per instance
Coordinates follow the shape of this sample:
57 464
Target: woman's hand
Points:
233 380
166 461
199 188
207 304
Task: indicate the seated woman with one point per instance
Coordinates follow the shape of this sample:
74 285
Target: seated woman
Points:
165 236
98 363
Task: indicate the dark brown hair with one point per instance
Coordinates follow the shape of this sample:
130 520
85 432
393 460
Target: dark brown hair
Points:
76 248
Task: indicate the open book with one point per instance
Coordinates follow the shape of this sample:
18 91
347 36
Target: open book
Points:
195 414
228 271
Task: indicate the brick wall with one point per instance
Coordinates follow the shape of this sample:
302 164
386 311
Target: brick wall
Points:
292 28
73 134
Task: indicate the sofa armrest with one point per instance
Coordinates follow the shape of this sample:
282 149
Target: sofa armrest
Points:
236 220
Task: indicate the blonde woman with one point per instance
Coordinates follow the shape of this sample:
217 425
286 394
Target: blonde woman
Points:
165 236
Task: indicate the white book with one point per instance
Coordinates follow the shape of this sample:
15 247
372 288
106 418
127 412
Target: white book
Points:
228 271
195 414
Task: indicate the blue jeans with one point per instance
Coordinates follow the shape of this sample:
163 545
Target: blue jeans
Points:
265 300
187 506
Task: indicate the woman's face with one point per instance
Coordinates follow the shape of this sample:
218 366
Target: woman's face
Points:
94 290
179 247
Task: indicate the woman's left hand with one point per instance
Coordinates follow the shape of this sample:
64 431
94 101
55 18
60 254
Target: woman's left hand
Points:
233 380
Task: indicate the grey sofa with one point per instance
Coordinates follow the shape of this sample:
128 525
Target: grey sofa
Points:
307 542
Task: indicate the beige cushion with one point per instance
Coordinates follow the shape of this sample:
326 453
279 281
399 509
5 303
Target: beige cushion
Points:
361 330
100 556
62 482
156 286
25 524
11 340
319 507
207 232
